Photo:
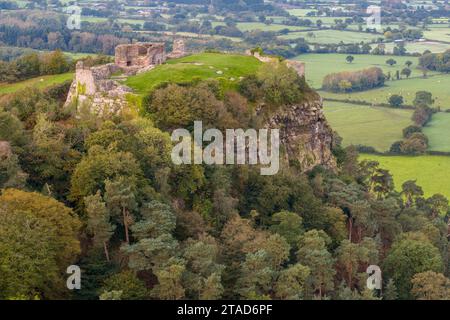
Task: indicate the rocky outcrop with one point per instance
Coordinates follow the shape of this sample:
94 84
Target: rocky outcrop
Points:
305 135
297 66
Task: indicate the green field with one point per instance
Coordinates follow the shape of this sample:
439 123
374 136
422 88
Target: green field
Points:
38 82
79 55
438 132
249 26
319 65
132 21
420 47
431 172
439 34
369 126
333 37
438 85
102 19
300 12
93 19
226 68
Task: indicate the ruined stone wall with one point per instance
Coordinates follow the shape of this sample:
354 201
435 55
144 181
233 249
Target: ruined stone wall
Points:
140 55
265 59
178 50
85 80
156 55
93 85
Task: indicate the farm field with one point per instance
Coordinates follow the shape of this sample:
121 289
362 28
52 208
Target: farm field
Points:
228 68
431 172
333 37
193 35
249 26
369 126
93 19
132 21
38 82
438 85
438 132
319 65
101 19
79 55
300 12
277 19
439 34
420 47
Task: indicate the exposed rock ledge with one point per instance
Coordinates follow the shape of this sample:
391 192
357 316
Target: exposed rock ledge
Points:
305 135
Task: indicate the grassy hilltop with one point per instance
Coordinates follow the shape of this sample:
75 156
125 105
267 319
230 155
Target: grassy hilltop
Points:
227 68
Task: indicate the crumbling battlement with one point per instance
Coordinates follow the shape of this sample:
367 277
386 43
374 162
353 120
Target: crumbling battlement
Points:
93 79
140 55
178 50
93 85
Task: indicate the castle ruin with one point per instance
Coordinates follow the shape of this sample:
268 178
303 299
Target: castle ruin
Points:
99 85
140 55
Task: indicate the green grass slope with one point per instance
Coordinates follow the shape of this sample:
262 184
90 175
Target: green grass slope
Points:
38 82
225 67
438 85
431 172
438 132
369 126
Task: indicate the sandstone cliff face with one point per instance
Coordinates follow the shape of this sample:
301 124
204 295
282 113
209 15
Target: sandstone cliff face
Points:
305 135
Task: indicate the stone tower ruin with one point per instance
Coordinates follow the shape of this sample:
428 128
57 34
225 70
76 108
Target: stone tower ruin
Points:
140 55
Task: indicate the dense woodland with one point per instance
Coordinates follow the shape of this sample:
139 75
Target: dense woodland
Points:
102 193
